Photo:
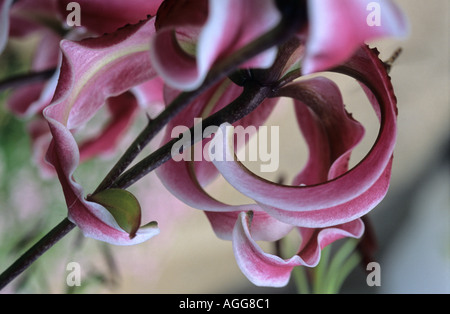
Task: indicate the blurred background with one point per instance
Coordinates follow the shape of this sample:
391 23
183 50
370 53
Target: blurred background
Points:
411 224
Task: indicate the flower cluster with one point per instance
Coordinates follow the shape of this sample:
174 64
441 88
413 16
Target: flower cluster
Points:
228 62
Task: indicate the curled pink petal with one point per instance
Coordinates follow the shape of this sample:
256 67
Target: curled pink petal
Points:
92 71
231 24
330 198
338 28
330 132
93 219
95 69
264 269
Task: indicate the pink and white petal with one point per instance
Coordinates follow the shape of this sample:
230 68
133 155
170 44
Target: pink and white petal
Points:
98 68
339 214
313 240
338 28
107 16
368 69
176 178
231 24
94 220
264 269
5 6
330 132
92 71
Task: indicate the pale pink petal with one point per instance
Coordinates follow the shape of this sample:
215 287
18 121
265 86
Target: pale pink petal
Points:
338 28
264 269
231 24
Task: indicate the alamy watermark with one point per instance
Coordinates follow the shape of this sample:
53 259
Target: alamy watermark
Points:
73 278
374 277
374 17
74 17
263 147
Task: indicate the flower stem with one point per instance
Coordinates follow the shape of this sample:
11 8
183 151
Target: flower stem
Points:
36 251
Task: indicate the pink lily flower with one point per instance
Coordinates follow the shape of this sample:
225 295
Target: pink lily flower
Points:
209 31
325 201
325 196
187 38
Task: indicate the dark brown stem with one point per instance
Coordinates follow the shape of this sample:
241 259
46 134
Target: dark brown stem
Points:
252 96
35 252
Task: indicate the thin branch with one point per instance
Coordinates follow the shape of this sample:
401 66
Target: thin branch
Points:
249 100
35 252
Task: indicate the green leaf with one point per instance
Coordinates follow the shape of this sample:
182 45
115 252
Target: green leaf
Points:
123 206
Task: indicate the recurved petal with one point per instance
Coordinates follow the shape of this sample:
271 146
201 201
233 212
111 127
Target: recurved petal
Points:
338 28
264 269
92 71
94 220
98 68
371 175
231 24
329 130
